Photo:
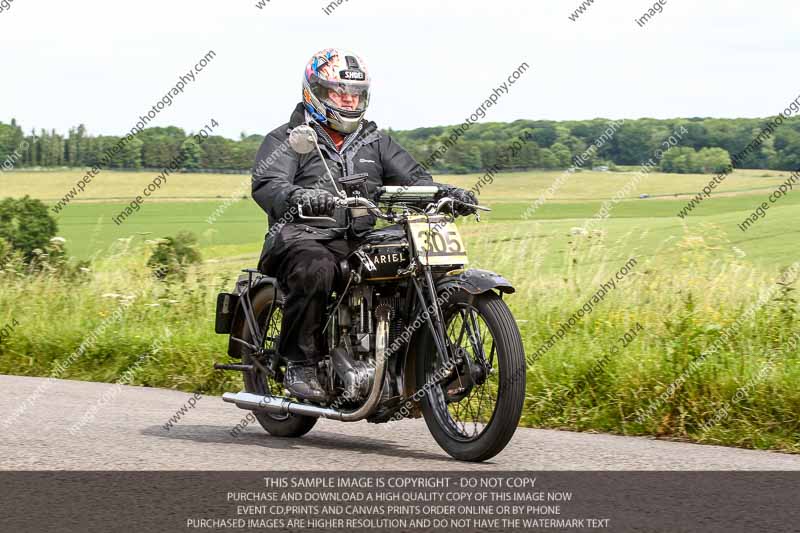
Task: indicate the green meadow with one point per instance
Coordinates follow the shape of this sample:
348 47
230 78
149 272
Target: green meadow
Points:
190 199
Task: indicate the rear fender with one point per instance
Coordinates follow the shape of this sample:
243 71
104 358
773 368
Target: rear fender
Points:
262 289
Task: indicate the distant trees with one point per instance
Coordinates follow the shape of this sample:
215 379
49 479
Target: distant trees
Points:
687 160
192 154
785 147
707 145
160 146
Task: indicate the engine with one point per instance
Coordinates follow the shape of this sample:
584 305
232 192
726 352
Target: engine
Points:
353 347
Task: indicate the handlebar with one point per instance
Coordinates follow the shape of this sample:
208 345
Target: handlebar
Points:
350 202
359 202
446 200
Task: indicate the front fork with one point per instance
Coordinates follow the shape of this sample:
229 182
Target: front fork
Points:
435 318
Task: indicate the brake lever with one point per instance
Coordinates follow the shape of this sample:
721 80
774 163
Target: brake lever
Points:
477 208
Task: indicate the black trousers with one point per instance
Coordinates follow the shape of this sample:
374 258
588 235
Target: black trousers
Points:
307 272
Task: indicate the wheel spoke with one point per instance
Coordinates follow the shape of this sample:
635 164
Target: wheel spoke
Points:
457 408
491 355
480 402
469 408
271 387
475 338
463 329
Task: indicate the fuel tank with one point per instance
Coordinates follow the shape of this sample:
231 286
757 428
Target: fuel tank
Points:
383 253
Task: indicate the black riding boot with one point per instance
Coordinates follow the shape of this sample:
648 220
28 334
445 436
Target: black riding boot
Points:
301 381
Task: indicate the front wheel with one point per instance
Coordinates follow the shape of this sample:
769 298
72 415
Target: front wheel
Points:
472 405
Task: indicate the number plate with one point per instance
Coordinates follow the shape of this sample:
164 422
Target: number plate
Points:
437 241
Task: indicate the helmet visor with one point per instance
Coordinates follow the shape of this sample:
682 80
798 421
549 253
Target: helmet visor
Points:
345 97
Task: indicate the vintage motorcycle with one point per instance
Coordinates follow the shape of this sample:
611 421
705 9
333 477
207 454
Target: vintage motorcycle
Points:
408 328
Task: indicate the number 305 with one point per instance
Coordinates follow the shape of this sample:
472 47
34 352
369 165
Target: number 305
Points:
440 242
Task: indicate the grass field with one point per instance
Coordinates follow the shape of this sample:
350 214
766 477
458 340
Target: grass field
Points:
189 199
694 277
511 187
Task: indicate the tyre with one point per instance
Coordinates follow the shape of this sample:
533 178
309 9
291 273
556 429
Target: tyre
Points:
256 382
472 406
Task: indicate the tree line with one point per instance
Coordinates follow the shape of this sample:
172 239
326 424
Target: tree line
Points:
707 147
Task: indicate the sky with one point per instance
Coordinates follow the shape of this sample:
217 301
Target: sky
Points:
433 62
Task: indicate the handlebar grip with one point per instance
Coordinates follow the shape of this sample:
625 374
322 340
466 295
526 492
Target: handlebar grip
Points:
306 217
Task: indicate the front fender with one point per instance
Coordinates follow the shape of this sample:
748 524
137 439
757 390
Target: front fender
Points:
474 281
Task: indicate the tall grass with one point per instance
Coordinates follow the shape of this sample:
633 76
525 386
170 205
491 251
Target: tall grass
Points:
173 322
745 394
734 397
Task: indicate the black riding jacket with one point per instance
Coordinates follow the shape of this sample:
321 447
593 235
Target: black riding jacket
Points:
279 171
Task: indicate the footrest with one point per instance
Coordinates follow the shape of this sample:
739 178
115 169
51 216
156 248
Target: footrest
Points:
237 368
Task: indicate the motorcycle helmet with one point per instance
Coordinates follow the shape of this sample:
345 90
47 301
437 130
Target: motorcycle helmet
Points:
336 89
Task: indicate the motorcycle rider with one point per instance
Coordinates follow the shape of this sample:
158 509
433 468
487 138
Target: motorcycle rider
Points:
304 255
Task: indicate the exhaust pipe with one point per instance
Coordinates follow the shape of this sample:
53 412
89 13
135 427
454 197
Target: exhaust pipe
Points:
283 406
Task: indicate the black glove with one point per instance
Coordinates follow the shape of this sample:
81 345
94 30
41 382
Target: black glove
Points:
461 195
317 202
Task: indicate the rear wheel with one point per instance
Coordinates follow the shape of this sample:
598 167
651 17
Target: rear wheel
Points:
472 406
257 382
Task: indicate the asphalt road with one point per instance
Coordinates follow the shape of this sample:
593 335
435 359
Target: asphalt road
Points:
127 433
